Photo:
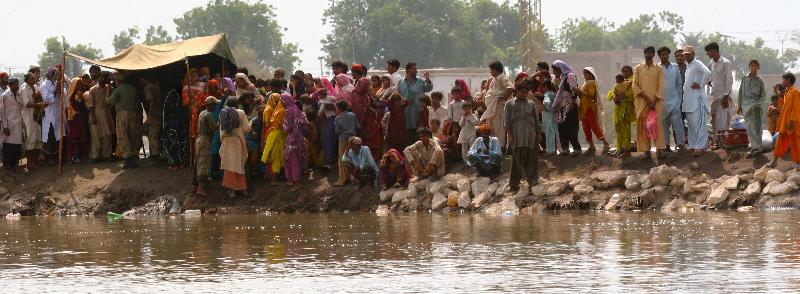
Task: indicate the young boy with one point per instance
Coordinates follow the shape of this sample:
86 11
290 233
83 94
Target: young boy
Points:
548 119
455 112
436 111
522 126
751 97
346 125
773 113
467 123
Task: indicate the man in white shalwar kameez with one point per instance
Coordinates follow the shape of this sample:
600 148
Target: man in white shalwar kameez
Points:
721 82
33 131
500 89
53 127
695 103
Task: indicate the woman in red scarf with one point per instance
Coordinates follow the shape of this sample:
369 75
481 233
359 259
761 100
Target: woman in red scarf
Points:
394 170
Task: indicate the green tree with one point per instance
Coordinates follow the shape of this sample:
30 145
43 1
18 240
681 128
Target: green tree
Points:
125 39
586 35
250 24
54 50
649 30
157 36
740 53
435 33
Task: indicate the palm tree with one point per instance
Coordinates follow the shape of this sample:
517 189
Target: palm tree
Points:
693 39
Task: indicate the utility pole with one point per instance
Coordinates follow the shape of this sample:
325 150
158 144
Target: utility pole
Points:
531 33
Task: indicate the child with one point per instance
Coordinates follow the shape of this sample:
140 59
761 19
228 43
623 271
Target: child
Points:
325 120
750 102
467 122
396 125
424 114
548 120
437 111
436 130
773 114
253 138
455 112
346 126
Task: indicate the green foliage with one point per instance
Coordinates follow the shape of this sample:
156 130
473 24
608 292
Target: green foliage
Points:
157 36
54 50
434 33
125 39
740 53
249 24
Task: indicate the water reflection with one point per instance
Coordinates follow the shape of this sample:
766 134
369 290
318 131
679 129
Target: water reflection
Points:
607 252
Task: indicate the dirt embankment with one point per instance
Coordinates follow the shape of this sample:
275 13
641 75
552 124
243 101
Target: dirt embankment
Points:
582 182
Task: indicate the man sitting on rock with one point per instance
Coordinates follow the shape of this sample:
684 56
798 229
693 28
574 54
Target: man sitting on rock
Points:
485 154
359 163
426 156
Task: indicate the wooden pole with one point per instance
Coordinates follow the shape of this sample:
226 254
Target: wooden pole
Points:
60 89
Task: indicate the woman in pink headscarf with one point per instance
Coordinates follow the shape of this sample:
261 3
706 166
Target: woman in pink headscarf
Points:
465 93
294 152
344 90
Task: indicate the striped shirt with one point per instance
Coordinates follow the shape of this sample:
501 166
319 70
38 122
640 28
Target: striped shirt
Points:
522 122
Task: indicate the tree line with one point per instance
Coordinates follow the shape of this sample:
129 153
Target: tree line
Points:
436 33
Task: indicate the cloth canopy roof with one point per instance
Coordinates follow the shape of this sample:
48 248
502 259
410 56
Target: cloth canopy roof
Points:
143 57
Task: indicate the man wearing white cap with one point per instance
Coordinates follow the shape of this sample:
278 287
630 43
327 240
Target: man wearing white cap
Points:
695 104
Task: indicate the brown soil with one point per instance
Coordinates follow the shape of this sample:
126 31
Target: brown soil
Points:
100 188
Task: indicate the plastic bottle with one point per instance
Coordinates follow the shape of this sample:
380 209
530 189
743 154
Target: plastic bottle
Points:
114 216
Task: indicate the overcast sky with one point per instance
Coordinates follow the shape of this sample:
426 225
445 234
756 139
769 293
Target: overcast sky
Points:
26 24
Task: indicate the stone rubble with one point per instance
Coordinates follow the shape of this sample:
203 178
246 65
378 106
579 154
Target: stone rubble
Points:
665 188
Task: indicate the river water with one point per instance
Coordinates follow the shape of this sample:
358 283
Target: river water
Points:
726 252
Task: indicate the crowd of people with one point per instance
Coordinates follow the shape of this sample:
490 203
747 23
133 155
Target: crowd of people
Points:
382 130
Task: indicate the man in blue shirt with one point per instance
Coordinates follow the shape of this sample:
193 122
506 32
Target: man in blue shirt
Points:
359 163
673 96
411 88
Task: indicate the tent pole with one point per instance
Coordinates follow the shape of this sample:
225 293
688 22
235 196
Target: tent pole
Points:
61 110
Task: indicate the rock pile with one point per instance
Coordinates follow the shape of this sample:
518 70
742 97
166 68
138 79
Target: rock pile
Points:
662 188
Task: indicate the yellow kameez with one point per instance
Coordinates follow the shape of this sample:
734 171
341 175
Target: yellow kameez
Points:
275 115
624 113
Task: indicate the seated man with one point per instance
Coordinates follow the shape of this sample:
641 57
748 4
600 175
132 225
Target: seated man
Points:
487 158
359 163
426 156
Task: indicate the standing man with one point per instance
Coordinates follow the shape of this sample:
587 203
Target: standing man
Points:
11 125
412 88
523 128
500 90
101 123
129 125
152 94
391 67
788 137
721 82
751 100
695 104
680 60
673 85
33 131
53 129
648 91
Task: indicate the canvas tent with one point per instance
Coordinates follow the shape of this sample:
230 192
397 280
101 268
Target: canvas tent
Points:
212 51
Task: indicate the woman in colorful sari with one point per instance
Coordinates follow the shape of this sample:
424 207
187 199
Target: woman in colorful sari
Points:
194 96
233 125
590 109
386 89
78 120
396 127
274 117
394 170
367 116
294 151
565 106
344 90
243 85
